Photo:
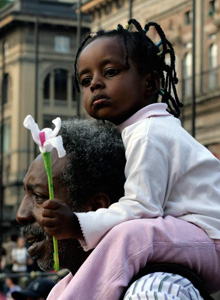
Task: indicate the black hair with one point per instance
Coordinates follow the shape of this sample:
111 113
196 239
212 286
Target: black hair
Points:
96 160
147 56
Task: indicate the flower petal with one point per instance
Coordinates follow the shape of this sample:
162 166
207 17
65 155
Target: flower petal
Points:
57 123
48 132
30 124
57 142
47 147
51 139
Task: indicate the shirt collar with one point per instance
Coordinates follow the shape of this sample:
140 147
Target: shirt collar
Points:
155 109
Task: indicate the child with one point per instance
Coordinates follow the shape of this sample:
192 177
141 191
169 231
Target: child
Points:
172 181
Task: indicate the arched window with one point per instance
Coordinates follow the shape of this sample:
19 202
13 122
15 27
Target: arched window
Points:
5 88
47 87
213 63
60 78
59 87
7 138
187 75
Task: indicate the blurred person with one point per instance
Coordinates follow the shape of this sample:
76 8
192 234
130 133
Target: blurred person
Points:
2 297
38 289
8 246
3 259
19 256
12 285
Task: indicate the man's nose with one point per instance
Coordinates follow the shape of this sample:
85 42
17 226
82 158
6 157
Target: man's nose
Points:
25 212
97 83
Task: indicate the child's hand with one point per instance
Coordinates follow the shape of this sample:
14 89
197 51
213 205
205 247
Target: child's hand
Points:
59 220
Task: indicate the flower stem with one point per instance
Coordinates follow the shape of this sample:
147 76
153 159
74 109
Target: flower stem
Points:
48 167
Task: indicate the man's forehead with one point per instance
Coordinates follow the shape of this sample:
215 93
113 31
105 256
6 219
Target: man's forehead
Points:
37 172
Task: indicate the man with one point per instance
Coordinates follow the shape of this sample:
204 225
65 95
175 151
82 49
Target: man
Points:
88 177
91 176
19 256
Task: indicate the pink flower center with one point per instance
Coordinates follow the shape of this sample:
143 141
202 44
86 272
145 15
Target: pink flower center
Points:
42 137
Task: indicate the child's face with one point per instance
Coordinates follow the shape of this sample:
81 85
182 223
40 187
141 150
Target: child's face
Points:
110 91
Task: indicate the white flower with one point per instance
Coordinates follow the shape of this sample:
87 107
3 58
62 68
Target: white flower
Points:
47 138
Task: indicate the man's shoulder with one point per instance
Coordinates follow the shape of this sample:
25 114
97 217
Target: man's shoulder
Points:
62 286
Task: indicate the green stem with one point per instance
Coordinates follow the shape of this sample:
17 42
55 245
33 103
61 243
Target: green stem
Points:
48 167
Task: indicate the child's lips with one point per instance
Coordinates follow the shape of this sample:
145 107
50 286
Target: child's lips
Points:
99 100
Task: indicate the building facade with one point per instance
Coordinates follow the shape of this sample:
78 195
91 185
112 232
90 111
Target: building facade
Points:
38 42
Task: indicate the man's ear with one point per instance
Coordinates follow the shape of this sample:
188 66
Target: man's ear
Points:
152 83
99 200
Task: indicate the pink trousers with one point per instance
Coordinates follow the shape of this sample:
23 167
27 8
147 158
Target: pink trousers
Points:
128 247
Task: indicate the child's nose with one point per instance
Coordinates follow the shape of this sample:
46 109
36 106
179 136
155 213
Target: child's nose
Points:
97 83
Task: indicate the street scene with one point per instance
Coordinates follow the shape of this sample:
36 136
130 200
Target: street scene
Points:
78 79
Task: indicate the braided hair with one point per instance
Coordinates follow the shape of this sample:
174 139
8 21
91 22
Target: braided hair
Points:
147 56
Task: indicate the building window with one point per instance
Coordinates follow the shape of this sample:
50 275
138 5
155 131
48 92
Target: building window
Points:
187 75
47 87
188 17
6 138
62 44
213 63
60 79
212 7
59 87
47 122
5 88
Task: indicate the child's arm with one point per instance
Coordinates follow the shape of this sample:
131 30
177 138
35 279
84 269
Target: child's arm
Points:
59 220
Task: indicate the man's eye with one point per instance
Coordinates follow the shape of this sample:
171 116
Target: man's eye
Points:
39 198
111 72
86 81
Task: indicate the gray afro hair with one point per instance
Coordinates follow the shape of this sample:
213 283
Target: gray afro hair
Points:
96 160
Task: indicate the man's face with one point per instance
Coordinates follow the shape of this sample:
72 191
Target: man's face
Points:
30 213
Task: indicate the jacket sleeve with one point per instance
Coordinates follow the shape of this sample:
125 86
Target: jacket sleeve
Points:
145 190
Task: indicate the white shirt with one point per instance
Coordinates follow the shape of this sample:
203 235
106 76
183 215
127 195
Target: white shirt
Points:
162 286
167 173
20 255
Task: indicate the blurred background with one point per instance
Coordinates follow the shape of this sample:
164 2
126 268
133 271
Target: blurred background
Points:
38 43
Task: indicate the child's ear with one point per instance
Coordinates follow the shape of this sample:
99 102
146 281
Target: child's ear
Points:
99 200
152 83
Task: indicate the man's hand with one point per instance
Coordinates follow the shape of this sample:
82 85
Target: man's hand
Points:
58 220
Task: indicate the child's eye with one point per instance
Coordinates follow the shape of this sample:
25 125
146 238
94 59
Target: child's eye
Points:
111 72
86 81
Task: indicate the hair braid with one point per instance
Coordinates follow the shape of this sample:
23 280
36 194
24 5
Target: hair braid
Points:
122 31
168 83
136 24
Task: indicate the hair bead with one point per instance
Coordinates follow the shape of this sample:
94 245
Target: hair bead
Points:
127 26
159 43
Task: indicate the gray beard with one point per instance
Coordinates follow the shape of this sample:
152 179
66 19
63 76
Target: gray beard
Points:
71 255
